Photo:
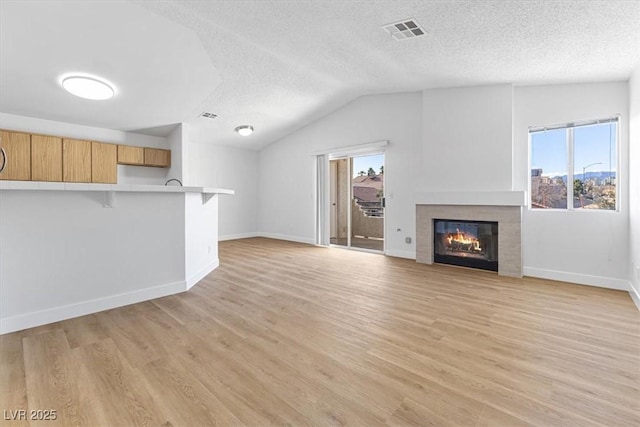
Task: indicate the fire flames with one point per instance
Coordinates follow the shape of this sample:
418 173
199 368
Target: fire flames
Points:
462 241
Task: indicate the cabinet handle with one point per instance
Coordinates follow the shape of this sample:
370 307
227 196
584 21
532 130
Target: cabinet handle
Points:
4 159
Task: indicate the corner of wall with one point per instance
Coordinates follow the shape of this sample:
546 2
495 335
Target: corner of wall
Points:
634 186
177 145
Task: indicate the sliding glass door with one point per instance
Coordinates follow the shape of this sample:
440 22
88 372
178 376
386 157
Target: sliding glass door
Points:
356 198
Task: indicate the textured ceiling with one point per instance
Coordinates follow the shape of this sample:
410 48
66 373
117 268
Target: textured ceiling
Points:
159 68
279 65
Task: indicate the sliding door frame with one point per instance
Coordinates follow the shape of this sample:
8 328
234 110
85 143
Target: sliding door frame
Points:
323 208
322 196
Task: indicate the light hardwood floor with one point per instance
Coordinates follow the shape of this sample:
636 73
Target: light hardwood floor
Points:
289 334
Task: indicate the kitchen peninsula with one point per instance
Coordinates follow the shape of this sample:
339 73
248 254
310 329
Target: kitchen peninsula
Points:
70 249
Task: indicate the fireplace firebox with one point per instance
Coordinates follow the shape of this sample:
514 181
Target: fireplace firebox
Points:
466 243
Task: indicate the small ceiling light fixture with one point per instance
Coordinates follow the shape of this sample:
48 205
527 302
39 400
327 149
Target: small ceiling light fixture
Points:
87 87
244 130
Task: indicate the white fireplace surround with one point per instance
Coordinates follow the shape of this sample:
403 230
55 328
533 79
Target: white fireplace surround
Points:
503 207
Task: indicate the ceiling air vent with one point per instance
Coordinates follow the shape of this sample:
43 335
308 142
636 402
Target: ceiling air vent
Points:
208 115
405 29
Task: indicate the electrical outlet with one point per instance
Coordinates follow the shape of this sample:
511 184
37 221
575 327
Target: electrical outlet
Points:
209 249
407 239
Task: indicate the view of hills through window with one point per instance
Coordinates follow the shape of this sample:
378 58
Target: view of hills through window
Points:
574 167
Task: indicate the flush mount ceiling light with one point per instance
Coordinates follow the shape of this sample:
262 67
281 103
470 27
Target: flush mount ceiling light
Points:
244 130
87 87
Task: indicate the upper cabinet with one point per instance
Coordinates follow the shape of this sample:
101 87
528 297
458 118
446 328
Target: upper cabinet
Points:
46 158
128 155
104 163
29 157
157 157
16 157
76 160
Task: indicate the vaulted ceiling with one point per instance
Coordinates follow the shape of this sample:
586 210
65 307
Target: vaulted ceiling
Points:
278 65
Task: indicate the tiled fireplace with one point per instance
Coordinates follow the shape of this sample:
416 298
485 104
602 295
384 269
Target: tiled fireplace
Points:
478 230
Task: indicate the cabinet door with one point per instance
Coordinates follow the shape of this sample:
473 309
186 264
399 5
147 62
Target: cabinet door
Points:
128 155
46 158
157 157
104 163
17 148
76 160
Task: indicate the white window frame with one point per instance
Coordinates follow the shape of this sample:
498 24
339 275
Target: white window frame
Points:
570 142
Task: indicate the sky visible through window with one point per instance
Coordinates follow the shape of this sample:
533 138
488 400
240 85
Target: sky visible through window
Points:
593 144
363 163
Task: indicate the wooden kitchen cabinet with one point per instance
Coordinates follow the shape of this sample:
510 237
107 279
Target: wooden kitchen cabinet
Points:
104 163
31 157
157 157
129 155
76 160
17 148
46 158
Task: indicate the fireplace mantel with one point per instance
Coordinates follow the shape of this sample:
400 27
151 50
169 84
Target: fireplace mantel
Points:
472 198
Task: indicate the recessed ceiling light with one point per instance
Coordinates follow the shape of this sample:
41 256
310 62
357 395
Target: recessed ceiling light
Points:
88 87
244 130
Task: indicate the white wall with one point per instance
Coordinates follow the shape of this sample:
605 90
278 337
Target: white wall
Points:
62 254
126 174
634 180
201 237
467 139
580 246
435 139
209 165
287 181
175 144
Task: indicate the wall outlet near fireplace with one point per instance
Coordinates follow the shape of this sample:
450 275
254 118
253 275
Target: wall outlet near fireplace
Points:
407 239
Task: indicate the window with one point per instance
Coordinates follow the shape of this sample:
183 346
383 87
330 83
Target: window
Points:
574 166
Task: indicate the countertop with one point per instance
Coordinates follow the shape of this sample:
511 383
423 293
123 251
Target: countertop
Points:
71 186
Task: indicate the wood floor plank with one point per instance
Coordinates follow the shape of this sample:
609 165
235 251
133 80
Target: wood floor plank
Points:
128 328
411 413
84 330
53 380
13 385
113 389
492 417
185 401
285 333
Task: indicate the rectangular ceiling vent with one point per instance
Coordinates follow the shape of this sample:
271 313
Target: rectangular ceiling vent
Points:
208 115
405 29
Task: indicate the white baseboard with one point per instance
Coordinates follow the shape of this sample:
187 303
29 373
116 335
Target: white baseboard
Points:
635 295
201 274
237 236
288 238
56 314
580 279
400 254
